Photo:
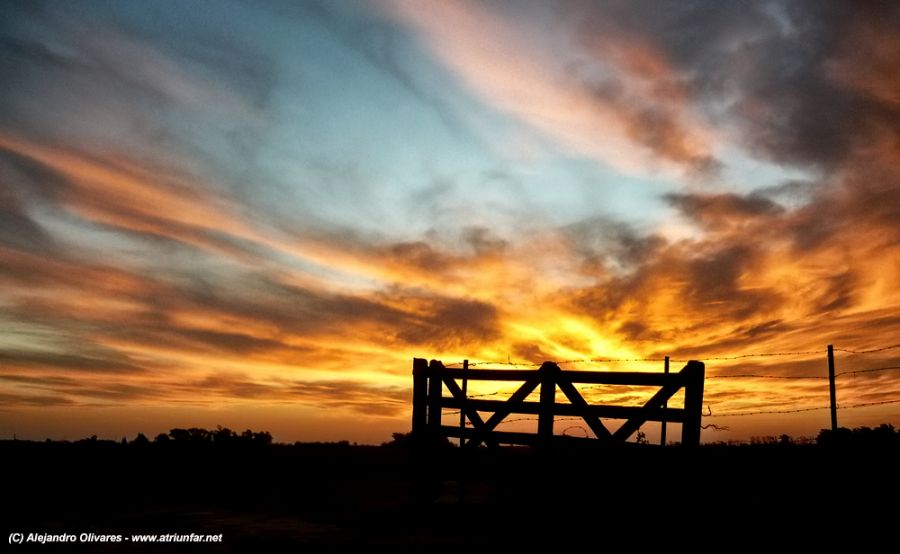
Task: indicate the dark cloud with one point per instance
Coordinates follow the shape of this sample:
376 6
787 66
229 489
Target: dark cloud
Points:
78 390
604 243
14 49
30 179
449 323
636 331
361 398
418 254
803 82
657 126
401 317
11 400
712 284
368 399
840 294
106 362
528 352
483 241
716 211
683 291
17 228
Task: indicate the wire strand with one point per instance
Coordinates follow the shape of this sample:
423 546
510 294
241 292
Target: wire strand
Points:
870 351
479 363
797 410
749 375
869 370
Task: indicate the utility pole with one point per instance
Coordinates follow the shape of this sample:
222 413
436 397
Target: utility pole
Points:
834 425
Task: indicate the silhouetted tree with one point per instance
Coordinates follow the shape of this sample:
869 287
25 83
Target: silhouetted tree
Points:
198 434
406 440
140 440
883 436
223 435
261 438
399 440
180 435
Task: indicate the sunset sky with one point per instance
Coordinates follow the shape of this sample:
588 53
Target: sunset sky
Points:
255 214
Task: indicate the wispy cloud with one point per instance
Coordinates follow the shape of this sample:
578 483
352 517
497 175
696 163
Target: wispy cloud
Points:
163 218
596 92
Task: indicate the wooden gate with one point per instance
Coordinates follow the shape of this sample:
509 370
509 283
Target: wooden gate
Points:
430 381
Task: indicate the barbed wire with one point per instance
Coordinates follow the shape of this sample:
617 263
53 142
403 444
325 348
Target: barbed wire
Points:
749 375
508 363
583 430
715 427
720 376
712 426
864 404
609 360
482 395
839 374
870 351
761 412
798 410
868 370
723 376
755 355
685 360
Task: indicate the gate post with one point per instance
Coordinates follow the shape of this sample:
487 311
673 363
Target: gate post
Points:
435 391
694 373
549 372
420 397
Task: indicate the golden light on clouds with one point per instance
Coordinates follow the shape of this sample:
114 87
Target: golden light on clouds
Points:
236 232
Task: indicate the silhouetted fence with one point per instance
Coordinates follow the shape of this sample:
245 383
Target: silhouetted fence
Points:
430 381
831 376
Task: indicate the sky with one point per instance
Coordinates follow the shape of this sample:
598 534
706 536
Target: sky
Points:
256 214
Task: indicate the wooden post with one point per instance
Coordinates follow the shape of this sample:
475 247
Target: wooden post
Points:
435 391
462 410
549 371
834 425
662 429
462 434
694 374
420 397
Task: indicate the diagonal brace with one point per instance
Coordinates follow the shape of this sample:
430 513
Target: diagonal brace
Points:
478 424
633 424
578 401
492 422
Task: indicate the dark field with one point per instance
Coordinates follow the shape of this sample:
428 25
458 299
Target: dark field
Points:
332 497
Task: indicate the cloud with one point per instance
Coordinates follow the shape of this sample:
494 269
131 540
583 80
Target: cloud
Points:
17 228
12 401
658 80
771 71
80 362
137 231
717 211
613 101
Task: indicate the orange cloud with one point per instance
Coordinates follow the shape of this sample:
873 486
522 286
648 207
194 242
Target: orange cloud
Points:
192 300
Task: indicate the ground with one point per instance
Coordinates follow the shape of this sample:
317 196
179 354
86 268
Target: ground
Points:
336 497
